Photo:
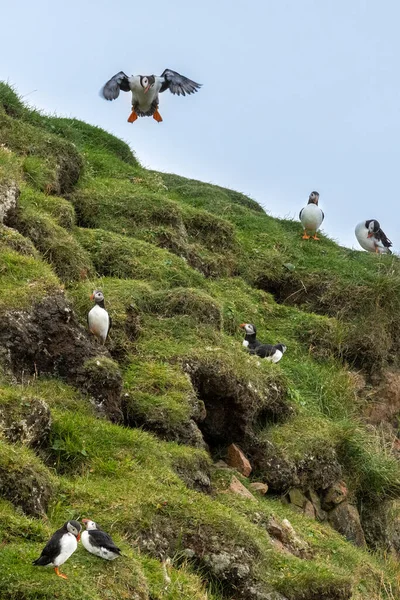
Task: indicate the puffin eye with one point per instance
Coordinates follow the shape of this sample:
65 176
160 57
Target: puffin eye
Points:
145 80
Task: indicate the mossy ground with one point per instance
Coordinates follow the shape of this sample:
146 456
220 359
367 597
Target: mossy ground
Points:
178 280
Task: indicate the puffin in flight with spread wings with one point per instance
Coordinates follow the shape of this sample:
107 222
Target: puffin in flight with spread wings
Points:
145 90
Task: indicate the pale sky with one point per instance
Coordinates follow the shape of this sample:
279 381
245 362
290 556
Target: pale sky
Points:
298 95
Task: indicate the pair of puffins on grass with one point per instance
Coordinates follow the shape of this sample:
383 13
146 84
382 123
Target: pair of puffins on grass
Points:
64 542
368 233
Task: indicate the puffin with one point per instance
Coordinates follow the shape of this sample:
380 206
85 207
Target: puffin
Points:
99 320
98 542
272 353
145 90
60 546
311 216
371 237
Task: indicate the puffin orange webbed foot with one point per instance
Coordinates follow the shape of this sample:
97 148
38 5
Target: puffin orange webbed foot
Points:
305 236
132 117
57 572
156 116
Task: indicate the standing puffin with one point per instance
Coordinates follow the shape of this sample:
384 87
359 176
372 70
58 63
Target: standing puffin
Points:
99 320
145 90
60 546
311 217
371 237
272 353
98 542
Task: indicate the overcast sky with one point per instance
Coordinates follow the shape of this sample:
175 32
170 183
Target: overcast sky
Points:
297 94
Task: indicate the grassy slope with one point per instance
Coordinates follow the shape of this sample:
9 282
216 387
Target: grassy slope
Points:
90 216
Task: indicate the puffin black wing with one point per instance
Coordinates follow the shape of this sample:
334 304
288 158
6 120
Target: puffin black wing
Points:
382 237
323 216
178 84
300 213
265 350
101 539
111 89
51 549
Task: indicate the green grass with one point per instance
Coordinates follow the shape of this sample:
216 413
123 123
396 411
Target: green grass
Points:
182 264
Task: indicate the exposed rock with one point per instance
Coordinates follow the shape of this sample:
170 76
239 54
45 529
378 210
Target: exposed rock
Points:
346 520
237 487
297 497
101 378
385 405
284 532
238 460
316 502
319 470
336 494
260 488
234 407
49 340
8 199
309 509
272 467
25 420
381 524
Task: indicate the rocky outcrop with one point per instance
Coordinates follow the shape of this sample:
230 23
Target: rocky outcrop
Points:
25 420
49 340
236 487
8 199
346 520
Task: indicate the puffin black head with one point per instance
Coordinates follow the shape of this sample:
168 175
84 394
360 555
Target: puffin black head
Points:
249 328
281 347
147 81
373 227
97 296
75 528
313 198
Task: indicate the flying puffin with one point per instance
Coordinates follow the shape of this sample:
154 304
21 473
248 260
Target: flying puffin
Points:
145 90
99 320
98 542
267 351
60 546
311 217
371 237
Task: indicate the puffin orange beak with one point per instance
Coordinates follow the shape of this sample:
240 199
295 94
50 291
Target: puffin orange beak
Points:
85 520
78 537
91 296
242 326
370 234
146 89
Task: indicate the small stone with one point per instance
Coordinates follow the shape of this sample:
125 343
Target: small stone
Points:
221 464
238 488
237 459
260 488
309 509
336 494
297 497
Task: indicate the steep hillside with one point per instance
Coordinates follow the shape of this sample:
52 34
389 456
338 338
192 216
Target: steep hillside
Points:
135 435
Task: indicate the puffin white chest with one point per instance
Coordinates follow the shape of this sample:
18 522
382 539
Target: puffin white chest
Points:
245 343
68 545
311 217
144 100
99 322
371 244
276 357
